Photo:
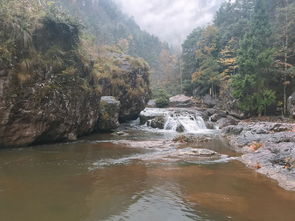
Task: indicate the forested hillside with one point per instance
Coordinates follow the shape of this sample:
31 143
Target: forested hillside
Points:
246 57
107 25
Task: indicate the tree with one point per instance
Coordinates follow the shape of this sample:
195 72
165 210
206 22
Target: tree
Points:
284 28
255 59
228 62
189 60
207 74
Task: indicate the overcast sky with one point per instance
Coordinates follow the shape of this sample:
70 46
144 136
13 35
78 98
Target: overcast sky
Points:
171 20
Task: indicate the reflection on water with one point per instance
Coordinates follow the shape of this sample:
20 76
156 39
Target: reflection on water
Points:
65 183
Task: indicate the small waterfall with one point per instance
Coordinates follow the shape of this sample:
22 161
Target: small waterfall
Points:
174 120
185 122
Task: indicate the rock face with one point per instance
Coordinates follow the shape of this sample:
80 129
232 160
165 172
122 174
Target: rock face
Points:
129 83
109 109
181 101
291 105
56 95
268 147
209 101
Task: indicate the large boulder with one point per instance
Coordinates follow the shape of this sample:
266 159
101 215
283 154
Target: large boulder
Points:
151 113
158 122
109 109
181 101
291 105
209 101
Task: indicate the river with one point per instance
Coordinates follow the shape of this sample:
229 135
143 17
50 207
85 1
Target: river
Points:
137 175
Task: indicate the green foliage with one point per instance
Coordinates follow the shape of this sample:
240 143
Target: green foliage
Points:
189 59
207 73
255 60
162 98
246 56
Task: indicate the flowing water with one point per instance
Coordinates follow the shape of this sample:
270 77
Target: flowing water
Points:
140 175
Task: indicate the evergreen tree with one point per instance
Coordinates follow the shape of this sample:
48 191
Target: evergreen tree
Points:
207 73
255 61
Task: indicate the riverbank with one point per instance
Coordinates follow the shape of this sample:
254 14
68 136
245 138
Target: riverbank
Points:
267 147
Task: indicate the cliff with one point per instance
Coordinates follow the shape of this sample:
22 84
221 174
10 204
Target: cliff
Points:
51 85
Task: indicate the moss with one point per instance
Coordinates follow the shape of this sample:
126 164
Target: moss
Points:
23 77
6 53
70 71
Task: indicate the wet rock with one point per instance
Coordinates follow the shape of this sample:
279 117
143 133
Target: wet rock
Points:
237 114
291 105
180 128
151 113
217 116
224 122
158 122
232 130
181 101
204 152
108 113
209 112
210 125
72 137
121 133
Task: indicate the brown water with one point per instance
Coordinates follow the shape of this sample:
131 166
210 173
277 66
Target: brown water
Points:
93 180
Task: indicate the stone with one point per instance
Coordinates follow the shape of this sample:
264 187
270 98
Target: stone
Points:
181 101
217 116
151 113
151 104
210 125
72 137
158 122
232 130
180 128
209 101
291 105
224 122
109 109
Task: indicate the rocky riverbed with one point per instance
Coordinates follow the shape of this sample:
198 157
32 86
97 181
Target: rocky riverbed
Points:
267 147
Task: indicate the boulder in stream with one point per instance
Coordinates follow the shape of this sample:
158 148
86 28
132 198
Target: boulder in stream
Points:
158 122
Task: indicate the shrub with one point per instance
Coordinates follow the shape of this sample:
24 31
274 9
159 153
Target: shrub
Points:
162 98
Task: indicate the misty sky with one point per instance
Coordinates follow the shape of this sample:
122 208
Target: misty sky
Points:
171 20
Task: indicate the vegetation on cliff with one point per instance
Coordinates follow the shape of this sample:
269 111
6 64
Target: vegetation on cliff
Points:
52 76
